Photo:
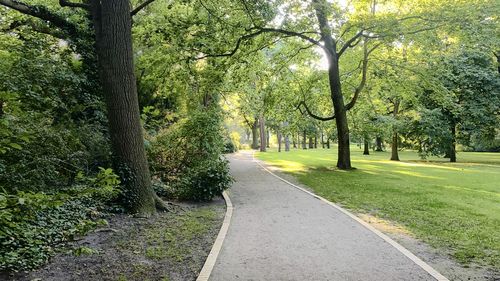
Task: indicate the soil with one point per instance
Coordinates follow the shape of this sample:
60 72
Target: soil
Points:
170 246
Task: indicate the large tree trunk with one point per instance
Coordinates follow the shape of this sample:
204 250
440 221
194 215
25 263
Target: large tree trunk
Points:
263 137
287 143
378 141
453 145
366 150
116 64
255 137
304 140
344 152
395 137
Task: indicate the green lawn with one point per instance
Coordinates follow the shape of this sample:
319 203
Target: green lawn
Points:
455 207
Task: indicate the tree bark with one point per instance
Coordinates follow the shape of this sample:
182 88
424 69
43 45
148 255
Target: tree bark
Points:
294 143
366 150
453 145
263 137
268 137
112 22
304 140
287 143
315 141
255 137
344 152
395 137
311 144
328 142
278 135
378 141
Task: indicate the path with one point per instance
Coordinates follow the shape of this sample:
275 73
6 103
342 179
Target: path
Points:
278 232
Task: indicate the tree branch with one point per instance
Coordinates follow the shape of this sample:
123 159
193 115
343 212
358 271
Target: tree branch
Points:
312 114
350 43
357 91
140 7
65 3
42 13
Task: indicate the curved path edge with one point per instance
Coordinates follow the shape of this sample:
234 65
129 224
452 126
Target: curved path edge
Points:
434 273
216 248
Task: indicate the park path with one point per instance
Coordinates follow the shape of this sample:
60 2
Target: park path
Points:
278 232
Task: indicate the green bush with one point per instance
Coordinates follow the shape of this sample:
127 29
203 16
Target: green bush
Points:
186 157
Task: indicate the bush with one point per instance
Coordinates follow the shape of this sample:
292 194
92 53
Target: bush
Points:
186 157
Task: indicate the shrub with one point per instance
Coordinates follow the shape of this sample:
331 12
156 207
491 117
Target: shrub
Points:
186 157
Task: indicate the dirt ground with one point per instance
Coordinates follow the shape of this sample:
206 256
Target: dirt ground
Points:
168 247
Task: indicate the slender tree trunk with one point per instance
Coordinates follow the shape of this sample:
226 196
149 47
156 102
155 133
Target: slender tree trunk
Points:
263 137
315 141
287 143
311 144
366 150
453 145
116 64
268 137
328 142
255 137
395 137
394 146
304 140
378 140
322 140
278 135
294 143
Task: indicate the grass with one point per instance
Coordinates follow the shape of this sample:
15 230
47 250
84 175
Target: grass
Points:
454 207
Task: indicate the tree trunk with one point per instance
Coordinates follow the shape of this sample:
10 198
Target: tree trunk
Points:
344 152
378 140
394 146
453 145
328 142
278 134
395 137
268 137
263 137
304 140
315 141
322 140
116 64
294 143
255 137
287 143
311 145
366 150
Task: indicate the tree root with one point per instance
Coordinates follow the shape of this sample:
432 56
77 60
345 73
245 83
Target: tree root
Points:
165 206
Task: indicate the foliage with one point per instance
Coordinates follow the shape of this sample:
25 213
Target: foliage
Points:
187 156
35 225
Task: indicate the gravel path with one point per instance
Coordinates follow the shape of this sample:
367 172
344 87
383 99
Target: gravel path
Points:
278 232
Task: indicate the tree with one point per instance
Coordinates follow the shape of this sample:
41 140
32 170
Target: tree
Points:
112 23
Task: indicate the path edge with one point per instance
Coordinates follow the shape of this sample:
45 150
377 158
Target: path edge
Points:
429 269
216 248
